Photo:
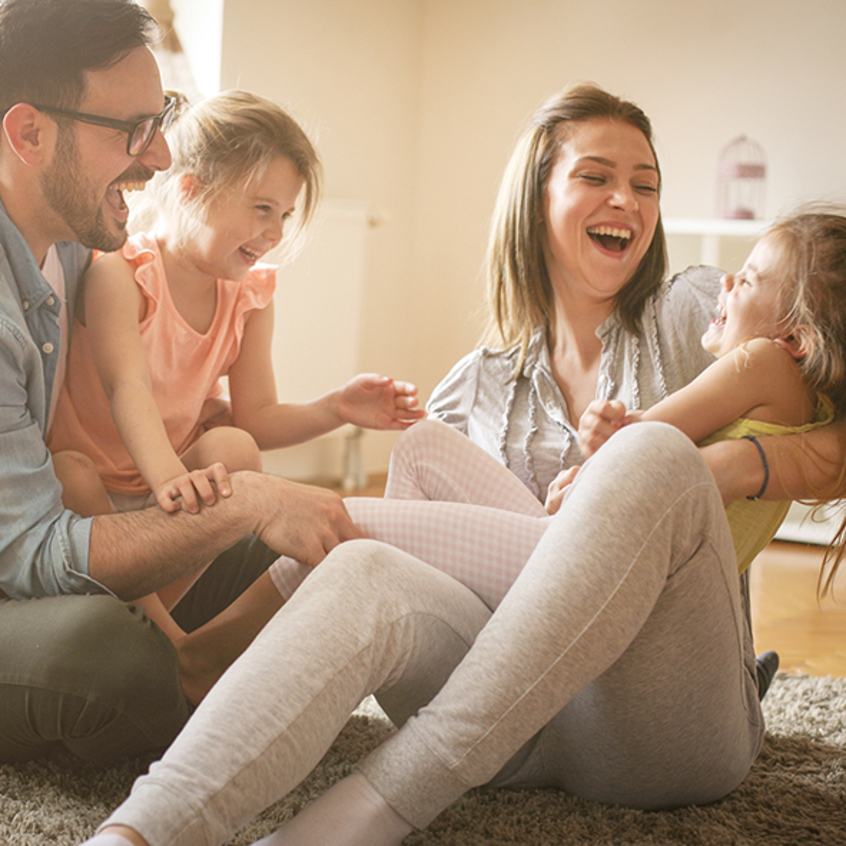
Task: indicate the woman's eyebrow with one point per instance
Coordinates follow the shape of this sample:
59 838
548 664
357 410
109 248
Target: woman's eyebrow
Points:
611 163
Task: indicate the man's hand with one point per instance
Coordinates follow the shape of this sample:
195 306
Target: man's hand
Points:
302 521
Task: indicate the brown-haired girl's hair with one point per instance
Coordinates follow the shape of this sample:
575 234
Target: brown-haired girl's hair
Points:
519 287
221 142
812 250
812 254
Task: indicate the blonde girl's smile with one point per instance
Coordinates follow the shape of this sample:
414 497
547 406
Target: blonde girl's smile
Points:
244 223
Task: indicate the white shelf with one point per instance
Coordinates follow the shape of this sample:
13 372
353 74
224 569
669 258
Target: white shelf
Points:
712 232
715 226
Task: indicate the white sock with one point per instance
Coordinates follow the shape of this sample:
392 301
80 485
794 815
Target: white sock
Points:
108 840
350 813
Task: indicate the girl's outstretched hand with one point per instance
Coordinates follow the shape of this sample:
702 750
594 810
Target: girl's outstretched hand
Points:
194 487
379 402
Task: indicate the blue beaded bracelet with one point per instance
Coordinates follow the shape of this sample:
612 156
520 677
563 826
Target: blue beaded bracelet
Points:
766 467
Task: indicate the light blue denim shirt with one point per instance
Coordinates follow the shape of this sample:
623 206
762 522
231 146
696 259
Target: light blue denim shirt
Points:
43 546
523 421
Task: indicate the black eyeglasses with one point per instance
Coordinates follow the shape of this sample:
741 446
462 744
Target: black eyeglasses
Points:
140 133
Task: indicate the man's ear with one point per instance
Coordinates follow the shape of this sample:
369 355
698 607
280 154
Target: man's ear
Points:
800 342
30 134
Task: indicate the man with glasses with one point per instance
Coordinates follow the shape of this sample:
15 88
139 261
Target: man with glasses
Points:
82 116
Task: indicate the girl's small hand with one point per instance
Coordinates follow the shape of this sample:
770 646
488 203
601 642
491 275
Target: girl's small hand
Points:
601 419
558 487
379 402
193 487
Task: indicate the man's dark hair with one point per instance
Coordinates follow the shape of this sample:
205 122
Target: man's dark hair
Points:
46 45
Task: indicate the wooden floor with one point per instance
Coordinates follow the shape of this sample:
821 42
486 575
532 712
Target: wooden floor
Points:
810 637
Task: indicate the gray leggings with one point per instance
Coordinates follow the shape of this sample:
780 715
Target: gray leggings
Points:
619 667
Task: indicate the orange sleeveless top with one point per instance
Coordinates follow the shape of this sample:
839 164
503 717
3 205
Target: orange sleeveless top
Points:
186 367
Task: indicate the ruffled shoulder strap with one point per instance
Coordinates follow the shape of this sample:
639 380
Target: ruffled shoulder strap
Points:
142 252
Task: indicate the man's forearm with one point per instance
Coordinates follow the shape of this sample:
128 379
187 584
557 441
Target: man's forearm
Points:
137 553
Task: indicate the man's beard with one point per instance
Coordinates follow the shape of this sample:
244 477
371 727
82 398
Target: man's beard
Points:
66 191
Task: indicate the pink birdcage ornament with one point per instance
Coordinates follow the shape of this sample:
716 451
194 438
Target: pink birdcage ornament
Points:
741 173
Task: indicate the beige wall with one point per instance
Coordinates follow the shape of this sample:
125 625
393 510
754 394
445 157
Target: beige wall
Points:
416 105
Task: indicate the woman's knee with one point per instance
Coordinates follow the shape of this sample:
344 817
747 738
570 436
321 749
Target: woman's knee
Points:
421 440
653 448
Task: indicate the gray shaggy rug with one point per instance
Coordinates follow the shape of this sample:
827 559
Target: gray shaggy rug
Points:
795 794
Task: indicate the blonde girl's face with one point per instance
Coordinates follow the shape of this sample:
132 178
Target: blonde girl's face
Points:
246 221
600 210
750 302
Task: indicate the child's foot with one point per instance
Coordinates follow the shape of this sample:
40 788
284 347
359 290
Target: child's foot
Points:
198 669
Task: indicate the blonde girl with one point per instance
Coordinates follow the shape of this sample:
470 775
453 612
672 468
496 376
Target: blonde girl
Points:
183 304
186 303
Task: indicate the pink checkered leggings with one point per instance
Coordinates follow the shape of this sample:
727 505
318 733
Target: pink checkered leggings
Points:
450 504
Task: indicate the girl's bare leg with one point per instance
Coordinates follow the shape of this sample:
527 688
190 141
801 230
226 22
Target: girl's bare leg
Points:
236 450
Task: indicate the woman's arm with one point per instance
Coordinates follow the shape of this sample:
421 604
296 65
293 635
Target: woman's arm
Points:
112 313
807 466
368 400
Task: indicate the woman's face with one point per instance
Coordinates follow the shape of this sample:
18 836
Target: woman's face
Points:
600 210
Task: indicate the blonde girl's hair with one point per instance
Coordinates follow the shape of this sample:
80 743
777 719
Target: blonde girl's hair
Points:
519 287
812 252
223 142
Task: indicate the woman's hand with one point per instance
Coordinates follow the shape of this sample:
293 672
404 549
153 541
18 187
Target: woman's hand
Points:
193 487
601 419
379 402
558 488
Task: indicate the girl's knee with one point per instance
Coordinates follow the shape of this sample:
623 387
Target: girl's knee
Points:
235 448
74 466
82 488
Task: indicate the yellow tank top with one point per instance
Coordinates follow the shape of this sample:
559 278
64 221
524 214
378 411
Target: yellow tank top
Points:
754 523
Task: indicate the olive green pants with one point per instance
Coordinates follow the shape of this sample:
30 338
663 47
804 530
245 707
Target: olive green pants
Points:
93 675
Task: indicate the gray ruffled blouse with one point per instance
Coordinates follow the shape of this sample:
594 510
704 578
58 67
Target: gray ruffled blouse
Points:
523 421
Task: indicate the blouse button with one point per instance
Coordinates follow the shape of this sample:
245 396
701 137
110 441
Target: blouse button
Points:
47 348
26 305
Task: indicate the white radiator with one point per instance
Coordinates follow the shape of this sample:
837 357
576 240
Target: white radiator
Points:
317 337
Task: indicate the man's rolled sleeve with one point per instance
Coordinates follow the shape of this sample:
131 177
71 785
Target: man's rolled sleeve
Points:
43 546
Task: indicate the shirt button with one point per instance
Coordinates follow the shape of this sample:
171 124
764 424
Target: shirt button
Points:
47 348
26 305
50 300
